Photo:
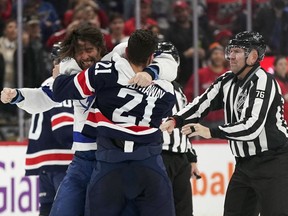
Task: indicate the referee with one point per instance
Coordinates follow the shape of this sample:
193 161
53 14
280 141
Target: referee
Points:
178 156
255 128
180 161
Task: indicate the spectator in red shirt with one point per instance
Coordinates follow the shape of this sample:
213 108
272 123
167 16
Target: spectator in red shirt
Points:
116 31
102 16
223 37
180 33
280 72
146 21
82 13
207 75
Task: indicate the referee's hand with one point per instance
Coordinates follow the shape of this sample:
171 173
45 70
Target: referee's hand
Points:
192 130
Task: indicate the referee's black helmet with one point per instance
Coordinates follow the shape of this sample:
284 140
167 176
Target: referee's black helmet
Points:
247 40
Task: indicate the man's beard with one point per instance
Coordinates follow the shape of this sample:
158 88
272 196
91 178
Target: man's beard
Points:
87 63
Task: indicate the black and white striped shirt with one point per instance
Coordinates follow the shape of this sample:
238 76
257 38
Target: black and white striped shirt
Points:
253 112
176 141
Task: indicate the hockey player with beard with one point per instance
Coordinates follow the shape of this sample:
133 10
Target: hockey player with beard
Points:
73 188
129 143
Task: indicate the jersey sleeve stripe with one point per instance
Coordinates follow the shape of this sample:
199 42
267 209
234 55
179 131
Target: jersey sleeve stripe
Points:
82 84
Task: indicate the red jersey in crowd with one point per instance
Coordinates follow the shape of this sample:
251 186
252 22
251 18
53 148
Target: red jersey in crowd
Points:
206 78
130 25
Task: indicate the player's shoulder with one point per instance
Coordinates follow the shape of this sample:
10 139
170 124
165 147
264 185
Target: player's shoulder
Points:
103 67
165 85
48 82
261 72
228 75
122 69
261 76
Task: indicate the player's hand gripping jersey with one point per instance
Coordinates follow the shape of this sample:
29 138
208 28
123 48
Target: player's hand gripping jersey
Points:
115 98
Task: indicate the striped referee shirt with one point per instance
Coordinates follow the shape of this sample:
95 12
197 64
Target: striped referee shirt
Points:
177 142
253 112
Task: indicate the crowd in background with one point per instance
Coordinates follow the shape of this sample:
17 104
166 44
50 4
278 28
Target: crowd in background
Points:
46 22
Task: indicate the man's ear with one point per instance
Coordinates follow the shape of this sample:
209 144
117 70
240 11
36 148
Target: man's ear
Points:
253 57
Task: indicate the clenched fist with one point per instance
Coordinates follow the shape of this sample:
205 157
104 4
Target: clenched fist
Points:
7 94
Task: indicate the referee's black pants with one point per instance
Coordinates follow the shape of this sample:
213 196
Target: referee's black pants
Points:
179 171
259 184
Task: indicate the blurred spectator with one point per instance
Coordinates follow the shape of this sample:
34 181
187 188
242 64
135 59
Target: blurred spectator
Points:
7 49
49 20
114 6
103 18
116 32
203 21
91 6
36 61
162 12
223 37
280 73
82 13
60 7
145 20
180 33
128 9
239 20
5 9
2 68
68 14
221 13
207 75
272 23
5 13
8 74
157 31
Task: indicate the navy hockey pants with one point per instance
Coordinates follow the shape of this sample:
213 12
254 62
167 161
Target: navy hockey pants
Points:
48 185
144 183
70 197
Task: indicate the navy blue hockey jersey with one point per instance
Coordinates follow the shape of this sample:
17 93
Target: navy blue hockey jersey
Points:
50 139
127 116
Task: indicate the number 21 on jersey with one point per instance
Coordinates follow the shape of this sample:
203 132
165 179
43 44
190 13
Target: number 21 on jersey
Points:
136 100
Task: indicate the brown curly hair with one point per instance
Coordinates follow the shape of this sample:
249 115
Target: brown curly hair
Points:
85 32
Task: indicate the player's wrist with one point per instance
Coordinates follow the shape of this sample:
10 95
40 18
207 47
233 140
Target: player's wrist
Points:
18 97
152 72
173 120
179 122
